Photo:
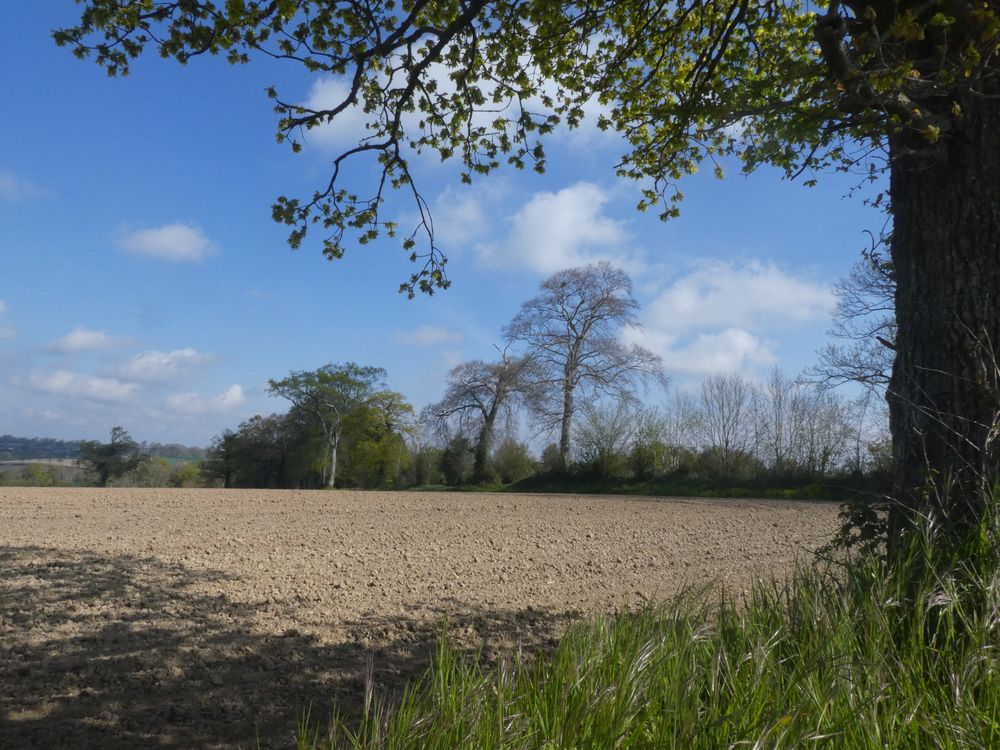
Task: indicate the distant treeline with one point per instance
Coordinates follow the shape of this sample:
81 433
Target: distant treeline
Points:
21 448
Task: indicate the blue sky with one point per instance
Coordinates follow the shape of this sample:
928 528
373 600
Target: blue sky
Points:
143 282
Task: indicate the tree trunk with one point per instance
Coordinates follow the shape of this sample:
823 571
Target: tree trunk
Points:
334 444
567 420
482 456
943 395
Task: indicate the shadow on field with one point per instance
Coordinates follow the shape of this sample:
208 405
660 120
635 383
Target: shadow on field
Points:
131 652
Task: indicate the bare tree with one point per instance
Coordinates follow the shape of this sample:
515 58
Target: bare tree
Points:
478 394
780 404
727 418
865 325
571 331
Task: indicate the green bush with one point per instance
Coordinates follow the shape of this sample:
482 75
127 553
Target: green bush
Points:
512 461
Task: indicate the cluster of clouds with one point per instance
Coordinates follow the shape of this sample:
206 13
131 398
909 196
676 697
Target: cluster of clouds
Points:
146 378
716 316
428 335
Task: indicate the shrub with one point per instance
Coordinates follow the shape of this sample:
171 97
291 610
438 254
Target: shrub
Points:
512 461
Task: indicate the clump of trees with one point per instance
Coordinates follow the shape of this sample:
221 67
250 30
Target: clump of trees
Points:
344 428
111 460
563 346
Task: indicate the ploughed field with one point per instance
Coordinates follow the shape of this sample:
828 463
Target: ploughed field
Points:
211 618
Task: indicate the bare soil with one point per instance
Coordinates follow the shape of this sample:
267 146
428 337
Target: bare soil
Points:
211 618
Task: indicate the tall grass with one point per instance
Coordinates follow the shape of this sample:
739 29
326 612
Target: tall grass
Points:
865 656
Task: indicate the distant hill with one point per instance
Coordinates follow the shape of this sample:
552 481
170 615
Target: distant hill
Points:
19 448
16 448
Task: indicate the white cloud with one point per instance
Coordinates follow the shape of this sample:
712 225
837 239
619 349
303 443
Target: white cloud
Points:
191 403
156 366
460 219
347 128
425 335
720 294
554 231
82 339
730 350
14 188
174 242
713 319
77 385
3 307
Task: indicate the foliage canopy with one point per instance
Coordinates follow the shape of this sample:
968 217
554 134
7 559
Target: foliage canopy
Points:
770 82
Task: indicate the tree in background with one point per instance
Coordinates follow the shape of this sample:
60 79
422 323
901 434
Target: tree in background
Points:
222 457
457 460
865 326
261 451
571 334
329 395
603 435
478 394
38 475
376 432
512 461
107 461
726 420
650 453
153 473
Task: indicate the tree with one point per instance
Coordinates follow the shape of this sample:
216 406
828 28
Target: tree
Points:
258 454
865 324
329 395
512 461
603 436
457 461
153 473
727 420
39 475
375 438
571 332
477 395
904 86
650 452
221 461
107 461
186 475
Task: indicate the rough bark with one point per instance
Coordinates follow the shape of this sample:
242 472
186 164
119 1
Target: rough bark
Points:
943 394
480 469
566 424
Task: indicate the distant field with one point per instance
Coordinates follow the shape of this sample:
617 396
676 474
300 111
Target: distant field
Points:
200 618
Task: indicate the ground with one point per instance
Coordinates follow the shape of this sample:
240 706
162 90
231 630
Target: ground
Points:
160 618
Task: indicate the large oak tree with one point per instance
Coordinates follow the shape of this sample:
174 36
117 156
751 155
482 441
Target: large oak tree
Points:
571 332
910 86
